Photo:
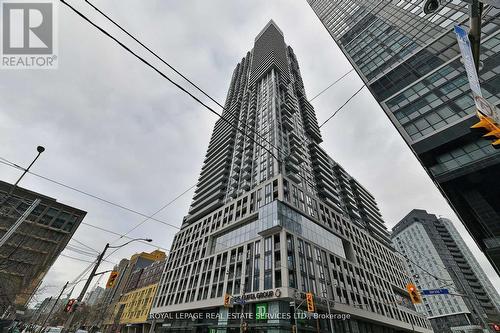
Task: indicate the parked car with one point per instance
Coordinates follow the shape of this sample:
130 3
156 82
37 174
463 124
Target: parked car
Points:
53 329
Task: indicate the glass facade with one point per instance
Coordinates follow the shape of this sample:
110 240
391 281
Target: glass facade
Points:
411 63
278 214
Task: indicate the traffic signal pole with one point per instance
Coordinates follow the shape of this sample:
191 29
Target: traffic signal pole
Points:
69 321
475 13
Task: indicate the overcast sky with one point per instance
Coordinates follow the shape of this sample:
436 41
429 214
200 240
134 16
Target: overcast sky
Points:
115 128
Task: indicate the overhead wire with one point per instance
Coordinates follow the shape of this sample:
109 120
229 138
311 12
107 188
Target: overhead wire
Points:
197 87
364 84
88 194
147 63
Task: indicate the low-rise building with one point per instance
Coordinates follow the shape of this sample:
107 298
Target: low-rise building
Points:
28 254
129 299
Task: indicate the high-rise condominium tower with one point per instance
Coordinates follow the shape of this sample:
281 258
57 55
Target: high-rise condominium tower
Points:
412 65
274 217
439 259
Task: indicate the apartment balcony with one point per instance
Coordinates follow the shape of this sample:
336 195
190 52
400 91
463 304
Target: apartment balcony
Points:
292 167
287 123
294 177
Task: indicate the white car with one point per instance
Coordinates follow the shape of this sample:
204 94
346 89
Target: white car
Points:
53 330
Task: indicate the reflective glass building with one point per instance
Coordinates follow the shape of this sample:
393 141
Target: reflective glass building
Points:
411 63
274 217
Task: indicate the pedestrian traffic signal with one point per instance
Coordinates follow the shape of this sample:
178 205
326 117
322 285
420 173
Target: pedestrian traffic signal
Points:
414 295
69 305
227 300
310 302
492 129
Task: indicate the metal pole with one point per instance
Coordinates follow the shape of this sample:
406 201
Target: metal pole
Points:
329 312
475 13
53 306
153 324
40 310
19 221
40 150
242 308
67 324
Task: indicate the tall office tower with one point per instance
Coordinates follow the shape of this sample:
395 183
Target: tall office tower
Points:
274 217
35 245
411 63
438 259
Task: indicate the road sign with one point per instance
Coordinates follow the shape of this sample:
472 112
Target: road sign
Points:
485 107
468 59
435 292
240 301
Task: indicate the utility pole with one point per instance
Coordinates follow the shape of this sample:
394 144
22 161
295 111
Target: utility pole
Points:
40 311
53 306
69 321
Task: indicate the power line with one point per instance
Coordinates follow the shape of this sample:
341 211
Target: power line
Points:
118 234
85 245
165 76
159 210
352 96
74 258
13 165
340 108
174 69
331 85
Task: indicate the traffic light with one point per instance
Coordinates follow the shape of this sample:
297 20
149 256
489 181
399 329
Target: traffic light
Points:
112 279
496 327
414 295
227 300
493 129
69 305
310 302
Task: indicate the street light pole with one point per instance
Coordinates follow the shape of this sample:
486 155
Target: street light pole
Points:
40 150
69 321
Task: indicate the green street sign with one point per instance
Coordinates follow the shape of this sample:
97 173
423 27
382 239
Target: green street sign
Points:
261 311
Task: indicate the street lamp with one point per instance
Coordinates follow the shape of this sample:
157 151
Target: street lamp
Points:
40 150
69 321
